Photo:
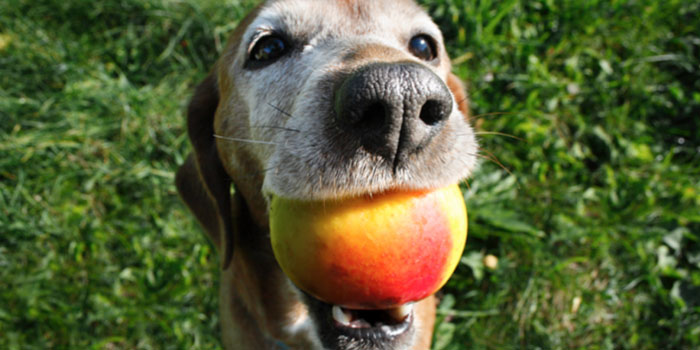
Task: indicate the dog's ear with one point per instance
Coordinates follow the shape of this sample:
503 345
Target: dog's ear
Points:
202 181
460 93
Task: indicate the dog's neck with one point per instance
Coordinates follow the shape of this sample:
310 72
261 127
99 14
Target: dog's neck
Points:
255 293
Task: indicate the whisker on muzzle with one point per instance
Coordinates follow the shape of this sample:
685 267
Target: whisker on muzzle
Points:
275 127
491 114
235 139
257 173
492 157
279 110
498 134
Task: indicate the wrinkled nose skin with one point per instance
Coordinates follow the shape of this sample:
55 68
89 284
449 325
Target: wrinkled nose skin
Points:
394 109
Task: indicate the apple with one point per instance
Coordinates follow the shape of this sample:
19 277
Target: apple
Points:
375 251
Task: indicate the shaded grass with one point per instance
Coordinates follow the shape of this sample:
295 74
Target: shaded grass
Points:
97 250
599 203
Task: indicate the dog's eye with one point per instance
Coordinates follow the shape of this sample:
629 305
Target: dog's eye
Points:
268 49
423 47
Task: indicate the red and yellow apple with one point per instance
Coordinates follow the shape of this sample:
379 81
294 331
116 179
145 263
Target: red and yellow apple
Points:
371 252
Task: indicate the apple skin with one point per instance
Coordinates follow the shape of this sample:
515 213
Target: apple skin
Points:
371 252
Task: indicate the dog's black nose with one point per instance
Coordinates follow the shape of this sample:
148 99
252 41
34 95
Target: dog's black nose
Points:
394 109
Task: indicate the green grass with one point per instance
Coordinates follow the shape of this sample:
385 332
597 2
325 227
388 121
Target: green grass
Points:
597 199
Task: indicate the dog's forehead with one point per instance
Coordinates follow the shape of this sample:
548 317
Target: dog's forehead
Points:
343 18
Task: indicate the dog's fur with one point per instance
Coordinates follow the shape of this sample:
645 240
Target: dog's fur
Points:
270 131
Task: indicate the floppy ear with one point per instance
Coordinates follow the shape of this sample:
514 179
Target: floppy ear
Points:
457 87
202 181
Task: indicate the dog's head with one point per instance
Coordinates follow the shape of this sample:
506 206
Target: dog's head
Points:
318 100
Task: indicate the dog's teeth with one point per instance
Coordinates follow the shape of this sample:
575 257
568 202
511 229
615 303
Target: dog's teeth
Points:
340 316
401 312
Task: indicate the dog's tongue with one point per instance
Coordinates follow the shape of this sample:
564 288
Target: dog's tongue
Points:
372 252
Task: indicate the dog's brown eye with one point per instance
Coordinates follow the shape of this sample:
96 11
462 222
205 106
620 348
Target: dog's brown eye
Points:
423 47
268 49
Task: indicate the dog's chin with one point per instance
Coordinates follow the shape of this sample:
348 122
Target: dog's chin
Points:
346 329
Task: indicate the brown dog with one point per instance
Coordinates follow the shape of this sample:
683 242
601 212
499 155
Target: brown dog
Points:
315 100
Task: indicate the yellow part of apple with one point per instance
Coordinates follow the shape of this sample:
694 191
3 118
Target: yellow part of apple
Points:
374 251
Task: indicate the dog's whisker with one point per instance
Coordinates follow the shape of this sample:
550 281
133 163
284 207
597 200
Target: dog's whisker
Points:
492 157
257 173
279 110
496 161
466 182
275 127
498 134
462 100
491 114
235 139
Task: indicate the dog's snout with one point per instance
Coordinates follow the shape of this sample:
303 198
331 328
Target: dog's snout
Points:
395 110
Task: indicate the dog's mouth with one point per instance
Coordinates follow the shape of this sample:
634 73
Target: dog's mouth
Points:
373 323
343 328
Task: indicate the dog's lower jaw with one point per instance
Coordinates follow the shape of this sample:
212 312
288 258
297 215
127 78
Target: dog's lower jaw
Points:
342 329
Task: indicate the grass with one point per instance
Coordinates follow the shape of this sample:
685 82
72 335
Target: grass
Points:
593 215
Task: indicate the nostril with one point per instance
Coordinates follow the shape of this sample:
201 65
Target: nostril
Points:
372 117
433 112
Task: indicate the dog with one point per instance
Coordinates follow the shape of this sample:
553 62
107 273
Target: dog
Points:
319 100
